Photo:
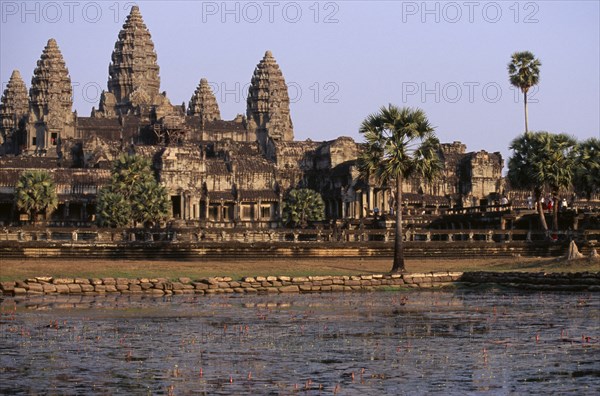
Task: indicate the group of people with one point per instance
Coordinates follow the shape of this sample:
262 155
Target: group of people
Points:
548 203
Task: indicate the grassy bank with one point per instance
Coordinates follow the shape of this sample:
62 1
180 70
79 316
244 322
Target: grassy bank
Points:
11 270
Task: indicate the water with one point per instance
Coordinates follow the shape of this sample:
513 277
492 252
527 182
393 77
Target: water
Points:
457 342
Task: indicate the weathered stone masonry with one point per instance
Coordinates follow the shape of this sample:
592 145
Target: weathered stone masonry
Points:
585 281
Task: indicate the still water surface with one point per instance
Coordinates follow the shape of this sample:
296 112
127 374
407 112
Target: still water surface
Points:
384 343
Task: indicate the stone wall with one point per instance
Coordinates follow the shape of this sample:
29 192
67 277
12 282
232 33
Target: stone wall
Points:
585 281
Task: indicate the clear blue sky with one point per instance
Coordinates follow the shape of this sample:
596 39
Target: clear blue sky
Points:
342 59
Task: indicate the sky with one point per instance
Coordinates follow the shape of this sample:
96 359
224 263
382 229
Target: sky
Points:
342 60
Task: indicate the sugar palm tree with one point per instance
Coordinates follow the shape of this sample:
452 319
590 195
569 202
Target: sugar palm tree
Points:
150 202
112 209
303 205
542 160
400 143
524 73
35 193
587 168
133 184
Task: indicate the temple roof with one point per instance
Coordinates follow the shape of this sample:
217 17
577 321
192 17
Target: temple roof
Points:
203 103
51 89
268 103
134 67
14 103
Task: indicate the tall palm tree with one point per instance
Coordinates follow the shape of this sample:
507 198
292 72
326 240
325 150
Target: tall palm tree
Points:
587 168
35 193
400 143
524 73
541 161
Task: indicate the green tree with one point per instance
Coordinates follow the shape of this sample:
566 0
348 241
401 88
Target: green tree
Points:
542 161
303 205
400 143
524 73
133 184
587 168
112 209
35 193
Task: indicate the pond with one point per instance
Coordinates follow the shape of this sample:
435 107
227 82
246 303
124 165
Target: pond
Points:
393 343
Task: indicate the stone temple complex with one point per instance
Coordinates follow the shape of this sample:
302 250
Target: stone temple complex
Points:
217 172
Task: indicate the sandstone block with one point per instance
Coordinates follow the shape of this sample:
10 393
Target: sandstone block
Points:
289 289
299 279
62 281
74 288
7 286
43 279
62 288
36 287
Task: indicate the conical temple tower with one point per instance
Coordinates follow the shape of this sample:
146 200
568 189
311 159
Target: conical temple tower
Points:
14 106
268 104
133 72
203 103
51 101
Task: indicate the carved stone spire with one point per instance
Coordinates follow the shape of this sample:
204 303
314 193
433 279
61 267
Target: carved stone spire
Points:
50 102
203 103
51 90
14 106
268 104
133 73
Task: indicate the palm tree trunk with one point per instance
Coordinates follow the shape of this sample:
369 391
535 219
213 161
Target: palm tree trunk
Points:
538 197
398 252
526 113
555 212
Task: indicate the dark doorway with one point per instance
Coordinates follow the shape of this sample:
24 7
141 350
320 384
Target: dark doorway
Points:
176 205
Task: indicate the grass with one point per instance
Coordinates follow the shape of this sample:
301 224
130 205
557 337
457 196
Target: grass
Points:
11 270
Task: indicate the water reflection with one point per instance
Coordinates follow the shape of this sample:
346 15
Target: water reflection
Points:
371 343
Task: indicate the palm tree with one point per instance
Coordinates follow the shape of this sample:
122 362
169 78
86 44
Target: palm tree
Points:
400 143
587 168
35 193
112 209
133 184
303 205
150 202
524 73
541 161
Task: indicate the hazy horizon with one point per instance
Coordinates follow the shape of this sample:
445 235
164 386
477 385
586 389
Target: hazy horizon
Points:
342 60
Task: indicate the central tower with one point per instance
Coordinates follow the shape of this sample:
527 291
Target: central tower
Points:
268 104
133 74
